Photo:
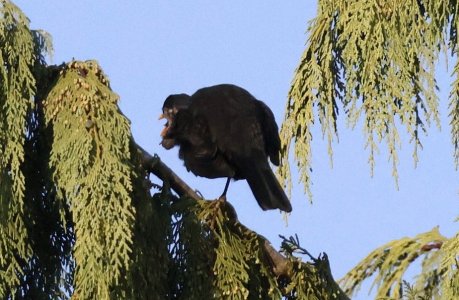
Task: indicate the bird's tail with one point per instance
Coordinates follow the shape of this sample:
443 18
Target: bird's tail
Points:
266 188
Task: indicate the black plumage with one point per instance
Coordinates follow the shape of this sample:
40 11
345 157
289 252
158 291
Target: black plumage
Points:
223 131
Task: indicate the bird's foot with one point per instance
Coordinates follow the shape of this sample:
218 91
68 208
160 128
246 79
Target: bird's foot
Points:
222 198
218 203
223 206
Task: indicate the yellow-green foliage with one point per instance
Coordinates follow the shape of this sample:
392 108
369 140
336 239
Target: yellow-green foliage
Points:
376 61
76 215
17 86
216 257
310 282
454 96
150 258
311 279
391 261
449 265
91 170
192 254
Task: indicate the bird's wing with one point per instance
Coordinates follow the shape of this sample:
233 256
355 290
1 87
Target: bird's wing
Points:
245 133
232 117
270 132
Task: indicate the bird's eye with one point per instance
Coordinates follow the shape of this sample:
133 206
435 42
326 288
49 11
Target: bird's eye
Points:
170 111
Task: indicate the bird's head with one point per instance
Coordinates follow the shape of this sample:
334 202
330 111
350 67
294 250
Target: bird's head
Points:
172 105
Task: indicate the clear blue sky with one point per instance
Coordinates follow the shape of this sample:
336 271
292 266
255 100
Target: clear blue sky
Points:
151 49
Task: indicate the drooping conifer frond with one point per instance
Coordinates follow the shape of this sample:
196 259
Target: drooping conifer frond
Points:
454 96
90 160
454 114
449 265
48 273
391 261
17 88
150 258
215 257
191 244
376 61
239 266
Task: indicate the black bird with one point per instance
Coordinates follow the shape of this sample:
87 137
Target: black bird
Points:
223 131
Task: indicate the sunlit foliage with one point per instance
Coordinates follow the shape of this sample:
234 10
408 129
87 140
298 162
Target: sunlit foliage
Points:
80 216
390 262
17 88
375 61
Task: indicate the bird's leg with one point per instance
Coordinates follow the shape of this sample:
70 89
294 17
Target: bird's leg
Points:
223 195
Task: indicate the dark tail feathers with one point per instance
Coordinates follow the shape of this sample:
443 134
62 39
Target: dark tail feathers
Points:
266 188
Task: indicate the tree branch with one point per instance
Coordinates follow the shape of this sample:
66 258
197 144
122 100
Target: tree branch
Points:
281 266
154 165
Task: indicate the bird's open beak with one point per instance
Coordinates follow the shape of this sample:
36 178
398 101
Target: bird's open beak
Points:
164 131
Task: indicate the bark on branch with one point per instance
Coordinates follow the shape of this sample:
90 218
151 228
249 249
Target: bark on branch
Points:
154 165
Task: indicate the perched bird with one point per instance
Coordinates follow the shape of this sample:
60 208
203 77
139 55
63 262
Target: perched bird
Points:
223 131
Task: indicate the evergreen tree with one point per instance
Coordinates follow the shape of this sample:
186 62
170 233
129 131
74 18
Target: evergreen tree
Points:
80 217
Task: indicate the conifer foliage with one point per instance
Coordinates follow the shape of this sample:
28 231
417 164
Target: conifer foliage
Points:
91 169
375 60
80 216
17 88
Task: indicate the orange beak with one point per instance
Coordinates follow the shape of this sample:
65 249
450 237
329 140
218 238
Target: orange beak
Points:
164 131
161 116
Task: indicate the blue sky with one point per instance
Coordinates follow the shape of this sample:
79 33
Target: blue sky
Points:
151 49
